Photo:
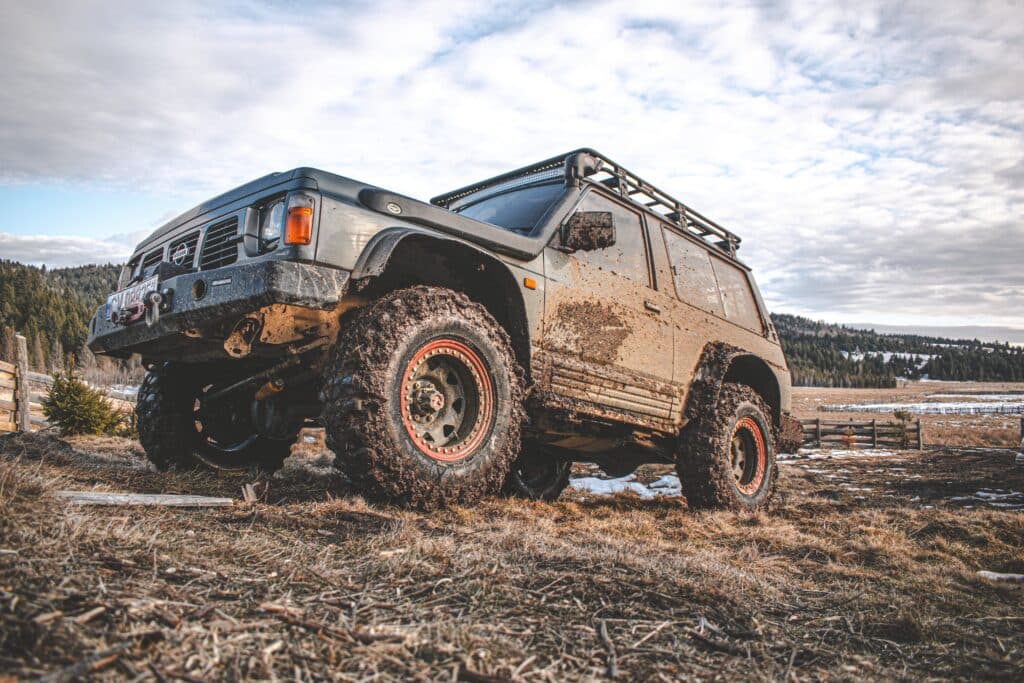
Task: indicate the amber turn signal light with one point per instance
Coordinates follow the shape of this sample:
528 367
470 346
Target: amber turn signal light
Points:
529 283
298 228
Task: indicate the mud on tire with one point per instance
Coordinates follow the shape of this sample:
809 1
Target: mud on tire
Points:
167 426
390 451
728 456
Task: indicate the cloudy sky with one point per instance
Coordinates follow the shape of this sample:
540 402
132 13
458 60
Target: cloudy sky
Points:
872 158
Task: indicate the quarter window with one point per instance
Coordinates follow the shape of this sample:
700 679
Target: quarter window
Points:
712 283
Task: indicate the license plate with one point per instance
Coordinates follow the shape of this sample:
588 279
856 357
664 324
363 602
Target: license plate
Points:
131 296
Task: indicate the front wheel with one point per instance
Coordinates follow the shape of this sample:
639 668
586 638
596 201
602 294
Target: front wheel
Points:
179 428
728 456
423 399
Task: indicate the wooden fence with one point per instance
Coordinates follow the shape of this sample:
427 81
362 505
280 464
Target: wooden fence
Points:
867 434
22 392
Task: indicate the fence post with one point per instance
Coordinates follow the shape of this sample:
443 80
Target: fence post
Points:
23 420
817 430
874 433
920 436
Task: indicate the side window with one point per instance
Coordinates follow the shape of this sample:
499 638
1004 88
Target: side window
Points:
628 256
693 273
711 283
738 300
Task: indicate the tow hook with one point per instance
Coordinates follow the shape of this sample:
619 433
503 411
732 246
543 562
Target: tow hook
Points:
156 303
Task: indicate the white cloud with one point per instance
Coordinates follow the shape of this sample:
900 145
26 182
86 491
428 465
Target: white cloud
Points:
60 251
871 157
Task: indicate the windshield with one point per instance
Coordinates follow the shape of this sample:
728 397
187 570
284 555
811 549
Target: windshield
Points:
518 210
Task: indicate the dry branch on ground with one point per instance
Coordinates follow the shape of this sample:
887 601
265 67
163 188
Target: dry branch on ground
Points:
312 583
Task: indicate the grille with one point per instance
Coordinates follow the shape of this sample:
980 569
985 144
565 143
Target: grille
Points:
152 258
190 241
220 247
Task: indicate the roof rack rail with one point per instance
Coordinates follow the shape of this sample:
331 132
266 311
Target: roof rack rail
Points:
620 180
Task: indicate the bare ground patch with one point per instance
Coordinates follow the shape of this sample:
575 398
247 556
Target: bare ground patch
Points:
867 568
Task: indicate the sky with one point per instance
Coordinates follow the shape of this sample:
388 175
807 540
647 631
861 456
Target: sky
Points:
871 155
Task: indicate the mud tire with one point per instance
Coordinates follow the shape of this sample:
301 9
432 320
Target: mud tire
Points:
361 395
705 463
167 430
537 475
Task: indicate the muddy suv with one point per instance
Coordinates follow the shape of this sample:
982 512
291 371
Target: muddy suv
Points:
566 311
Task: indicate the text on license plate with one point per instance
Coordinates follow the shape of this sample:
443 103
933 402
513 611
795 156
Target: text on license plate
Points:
130 296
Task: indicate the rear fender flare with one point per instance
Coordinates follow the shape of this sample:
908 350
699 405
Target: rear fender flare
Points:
718 365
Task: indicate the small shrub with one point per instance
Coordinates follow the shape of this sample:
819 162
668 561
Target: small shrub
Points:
902 428
76 408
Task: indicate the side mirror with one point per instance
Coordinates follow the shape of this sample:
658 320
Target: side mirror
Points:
588 230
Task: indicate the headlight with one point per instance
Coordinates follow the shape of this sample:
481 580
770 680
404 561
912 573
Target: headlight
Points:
271 222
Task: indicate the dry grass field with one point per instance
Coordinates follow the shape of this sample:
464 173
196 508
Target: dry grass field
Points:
998 431
866 568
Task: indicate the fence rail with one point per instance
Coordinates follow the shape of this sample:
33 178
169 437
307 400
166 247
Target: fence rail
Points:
864 434
22 392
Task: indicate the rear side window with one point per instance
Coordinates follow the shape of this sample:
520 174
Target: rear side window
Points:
737 299
711 283
693 274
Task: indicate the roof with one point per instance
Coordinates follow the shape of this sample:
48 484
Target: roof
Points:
620 180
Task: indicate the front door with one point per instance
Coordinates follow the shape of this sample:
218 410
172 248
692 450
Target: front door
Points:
606 342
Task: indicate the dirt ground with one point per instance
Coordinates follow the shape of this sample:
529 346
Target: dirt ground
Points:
867 568
998 431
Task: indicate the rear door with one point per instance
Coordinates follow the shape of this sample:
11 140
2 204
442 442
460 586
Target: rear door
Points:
607 342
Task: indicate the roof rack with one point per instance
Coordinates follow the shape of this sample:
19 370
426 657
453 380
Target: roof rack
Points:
602 170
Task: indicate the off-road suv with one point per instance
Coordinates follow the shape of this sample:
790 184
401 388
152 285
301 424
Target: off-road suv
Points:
566 311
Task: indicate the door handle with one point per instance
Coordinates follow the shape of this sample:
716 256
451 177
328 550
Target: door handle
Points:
652 307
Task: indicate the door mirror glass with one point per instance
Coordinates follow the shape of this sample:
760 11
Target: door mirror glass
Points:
589 230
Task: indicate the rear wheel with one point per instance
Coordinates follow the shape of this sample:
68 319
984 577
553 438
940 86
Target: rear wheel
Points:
179 427
728 457
538 474
423 399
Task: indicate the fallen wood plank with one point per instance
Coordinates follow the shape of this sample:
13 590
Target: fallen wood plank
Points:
7 405
104 498
7 383
8 367
8 427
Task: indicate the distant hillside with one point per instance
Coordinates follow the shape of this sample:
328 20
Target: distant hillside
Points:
51 308
985 333
823 354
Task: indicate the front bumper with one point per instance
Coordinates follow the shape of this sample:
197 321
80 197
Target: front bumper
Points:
227 294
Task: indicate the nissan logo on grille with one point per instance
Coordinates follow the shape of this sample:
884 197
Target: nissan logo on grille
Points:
180 254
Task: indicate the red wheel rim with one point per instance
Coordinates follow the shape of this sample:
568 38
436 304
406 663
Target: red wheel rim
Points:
748 455
447 400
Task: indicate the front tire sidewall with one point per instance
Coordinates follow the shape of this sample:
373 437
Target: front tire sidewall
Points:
498 429
362 400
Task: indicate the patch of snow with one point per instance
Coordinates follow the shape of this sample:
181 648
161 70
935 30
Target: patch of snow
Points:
826 453
667 486
923 408
981 397
1000 576
1002 499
